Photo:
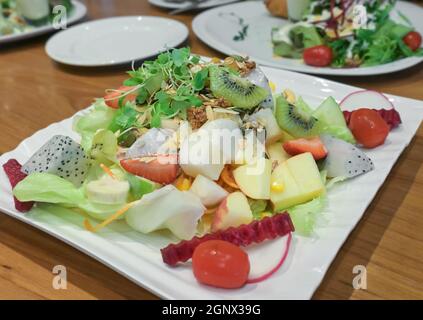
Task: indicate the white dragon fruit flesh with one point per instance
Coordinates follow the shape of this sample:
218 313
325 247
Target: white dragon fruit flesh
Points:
344 159
258 78
60 156
153 142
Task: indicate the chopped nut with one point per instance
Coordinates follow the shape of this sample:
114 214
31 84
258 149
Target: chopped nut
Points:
197 116
219 102
248 66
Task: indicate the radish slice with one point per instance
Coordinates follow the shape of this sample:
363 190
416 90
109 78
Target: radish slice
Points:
366 99
277 267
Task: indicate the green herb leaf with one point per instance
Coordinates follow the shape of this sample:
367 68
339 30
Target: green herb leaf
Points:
179 56
125 118
142 96
200 79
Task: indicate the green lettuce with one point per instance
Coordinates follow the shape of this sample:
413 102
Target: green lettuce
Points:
100 211
87 125
304 216
49 188
305 37
46 187
257 207
139 186
104 147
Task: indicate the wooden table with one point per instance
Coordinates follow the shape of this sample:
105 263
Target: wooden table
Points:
35 92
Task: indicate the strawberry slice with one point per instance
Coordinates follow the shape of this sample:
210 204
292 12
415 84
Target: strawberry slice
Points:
112 98
15 175
163 169
313 145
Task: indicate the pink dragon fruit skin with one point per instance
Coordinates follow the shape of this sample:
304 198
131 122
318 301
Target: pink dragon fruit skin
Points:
60 156
344 159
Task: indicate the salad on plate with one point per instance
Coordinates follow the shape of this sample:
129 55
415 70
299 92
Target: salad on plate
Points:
210 151
19 16
348 34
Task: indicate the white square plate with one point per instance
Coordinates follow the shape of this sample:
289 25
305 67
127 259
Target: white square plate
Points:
137 256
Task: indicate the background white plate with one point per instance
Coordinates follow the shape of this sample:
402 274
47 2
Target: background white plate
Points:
137 256
77 14
206 4
218 32
115 40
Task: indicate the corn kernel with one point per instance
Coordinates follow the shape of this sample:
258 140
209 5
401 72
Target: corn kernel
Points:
272 86
183 184
277 186
265 214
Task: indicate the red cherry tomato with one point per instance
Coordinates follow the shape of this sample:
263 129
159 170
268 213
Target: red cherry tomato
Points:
413 40
112 98
220 264
318 56
368 127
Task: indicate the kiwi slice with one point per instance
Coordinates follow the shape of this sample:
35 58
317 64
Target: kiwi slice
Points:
238 91
296 120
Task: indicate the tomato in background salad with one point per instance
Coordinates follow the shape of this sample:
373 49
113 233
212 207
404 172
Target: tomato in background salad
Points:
368 127
318 56
220 264
413 40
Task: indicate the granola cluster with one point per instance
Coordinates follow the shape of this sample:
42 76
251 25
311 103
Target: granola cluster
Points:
197 116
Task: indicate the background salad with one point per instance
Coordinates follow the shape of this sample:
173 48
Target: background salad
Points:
348 33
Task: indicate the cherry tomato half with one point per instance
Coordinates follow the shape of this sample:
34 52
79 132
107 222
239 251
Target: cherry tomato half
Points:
112 98
318 56
220 264
413 40
368 127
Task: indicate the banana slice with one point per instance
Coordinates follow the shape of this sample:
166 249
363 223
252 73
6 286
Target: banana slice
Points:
107 191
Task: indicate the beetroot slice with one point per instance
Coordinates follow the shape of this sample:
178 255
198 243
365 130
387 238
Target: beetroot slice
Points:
15 175
257 231
391 117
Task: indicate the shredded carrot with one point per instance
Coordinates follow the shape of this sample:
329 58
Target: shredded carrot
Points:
109 220
107 170
228 177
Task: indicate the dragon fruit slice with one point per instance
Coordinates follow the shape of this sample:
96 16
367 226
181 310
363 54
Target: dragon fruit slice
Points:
344 159
152 143
60 156
258 78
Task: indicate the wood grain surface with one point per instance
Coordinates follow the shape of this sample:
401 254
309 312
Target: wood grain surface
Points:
35 92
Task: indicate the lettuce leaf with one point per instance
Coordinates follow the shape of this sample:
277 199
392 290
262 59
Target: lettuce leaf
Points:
257 207
100 211
305 37
49 188
104 147
304 216
139 186
87 125
46 187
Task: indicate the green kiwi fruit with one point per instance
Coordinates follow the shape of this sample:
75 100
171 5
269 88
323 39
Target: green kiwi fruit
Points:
296 120
238 91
